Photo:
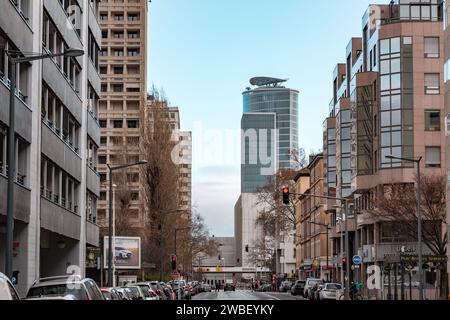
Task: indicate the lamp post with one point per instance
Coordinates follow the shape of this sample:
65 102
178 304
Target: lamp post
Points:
419 219
16 57
161 240
110 222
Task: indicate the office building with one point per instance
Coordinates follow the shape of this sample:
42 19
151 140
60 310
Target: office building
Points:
269 137
123 68
57 136
388 99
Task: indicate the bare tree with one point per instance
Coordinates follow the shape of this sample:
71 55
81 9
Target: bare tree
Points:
397 205
161 174
274 215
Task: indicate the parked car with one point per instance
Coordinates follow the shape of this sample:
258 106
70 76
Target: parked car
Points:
110 293
310 283
136 292
298 288
149 293
172 293
229 287
205 287
195 287
156 286
166 291
181 290
329 291
81 289
285 286
7 290
265 288
125 293
122 253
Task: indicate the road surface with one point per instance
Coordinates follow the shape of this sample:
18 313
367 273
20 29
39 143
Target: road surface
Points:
245 295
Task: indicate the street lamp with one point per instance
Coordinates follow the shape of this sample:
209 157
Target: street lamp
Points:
16 57
161 240
110 223
419 219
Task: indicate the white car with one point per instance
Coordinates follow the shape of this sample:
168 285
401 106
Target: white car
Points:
328 291
122 253
7 290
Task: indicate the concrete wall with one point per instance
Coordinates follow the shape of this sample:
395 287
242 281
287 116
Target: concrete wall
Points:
59 220
21 200
22 114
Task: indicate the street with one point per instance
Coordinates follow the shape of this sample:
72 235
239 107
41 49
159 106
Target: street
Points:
245 295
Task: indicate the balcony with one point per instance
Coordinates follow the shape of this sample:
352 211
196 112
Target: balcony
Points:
58 219
23 113
22 199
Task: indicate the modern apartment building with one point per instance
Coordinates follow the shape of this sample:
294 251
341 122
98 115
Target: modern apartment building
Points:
269 136
388 99
123 68
57 136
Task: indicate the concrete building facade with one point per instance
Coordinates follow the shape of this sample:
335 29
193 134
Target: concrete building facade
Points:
57 136
123 68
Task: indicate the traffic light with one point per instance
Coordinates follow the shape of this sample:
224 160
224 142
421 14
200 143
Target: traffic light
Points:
174 262
344 263
286 196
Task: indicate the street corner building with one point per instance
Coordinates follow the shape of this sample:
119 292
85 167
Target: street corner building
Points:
57 134
387 103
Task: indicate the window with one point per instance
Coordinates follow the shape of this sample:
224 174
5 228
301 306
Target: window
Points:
103 140
433 157
432 83
432 121
133 124
431 47
117 124
447 125
102 123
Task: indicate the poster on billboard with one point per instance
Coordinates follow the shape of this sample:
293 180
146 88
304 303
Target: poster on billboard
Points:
126 252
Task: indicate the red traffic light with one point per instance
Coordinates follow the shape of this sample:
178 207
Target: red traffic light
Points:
344 260
174 258
286 196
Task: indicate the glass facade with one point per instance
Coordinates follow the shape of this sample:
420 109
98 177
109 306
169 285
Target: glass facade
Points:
396 101
282 104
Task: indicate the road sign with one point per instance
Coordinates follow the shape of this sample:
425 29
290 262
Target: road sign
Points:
357 260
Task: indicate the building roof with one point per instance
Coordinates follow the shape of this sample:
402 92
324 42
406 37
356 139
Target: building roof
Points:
305 172
266 81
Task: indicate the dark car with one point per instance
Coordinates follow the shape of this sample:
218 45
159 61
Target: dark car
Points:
229 287
285 286
298 288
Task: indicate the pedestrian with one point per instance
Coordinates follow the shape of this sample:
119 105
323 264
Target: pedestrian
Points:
217 286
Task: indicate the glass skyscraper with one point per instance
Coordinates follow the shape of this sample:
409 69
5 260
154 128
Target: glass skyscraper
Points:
271 119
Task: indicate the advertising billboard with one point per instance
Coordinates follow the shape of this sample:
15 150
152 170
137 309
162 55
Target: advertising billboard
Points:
126 252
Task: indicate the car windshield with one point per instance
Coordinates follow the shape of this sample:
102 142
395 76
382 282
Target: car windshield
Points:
333 286
58 290
107 295
145 289
135 292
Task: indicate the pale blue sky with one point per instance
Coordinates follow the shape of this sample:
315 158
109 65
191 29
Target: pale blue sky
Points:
203 52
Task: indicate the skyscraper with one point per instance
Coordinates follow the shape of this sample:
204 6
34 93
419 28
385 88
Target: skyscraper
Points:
123 67
269 138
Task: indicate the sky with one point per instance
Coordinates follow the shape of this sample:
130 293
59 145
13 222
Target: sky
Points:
203 53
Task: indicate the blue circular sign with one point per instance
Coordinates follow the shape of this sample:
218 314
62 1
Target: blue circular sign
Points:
357 260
